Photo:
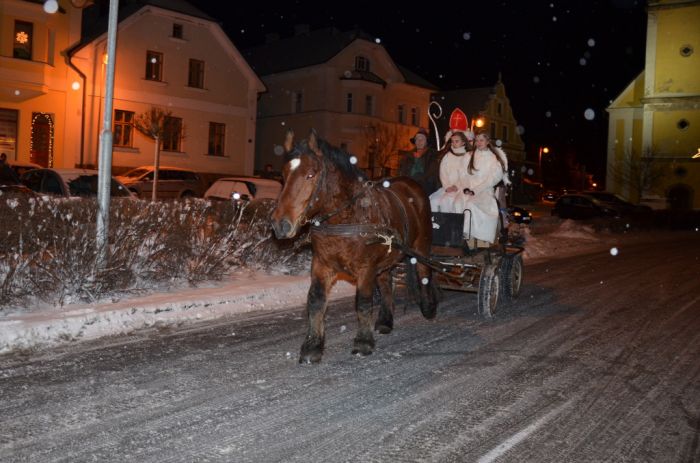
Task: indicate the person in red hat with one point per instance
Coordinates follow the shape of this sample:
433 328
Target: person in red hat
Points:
422 163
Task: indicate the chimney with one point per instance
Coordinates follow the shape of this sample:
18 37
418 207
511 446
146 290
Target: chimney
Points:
301 29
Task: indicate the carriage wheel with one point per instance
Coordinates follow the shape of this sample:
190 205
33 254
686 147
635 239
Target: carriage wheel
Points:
511 276
489 283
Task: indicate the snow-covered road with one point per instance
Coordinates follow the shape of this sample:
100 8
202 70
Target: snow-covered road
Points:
597 361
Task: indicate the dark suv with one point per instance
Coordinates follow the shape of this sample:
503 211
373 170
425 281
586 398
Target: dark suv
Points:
173 182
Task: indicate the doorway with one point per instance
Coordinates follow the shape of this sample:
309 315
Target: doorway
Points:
41 150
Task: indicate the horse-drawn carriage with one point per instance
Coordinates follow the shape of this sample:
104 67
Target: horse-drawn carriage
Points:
365 229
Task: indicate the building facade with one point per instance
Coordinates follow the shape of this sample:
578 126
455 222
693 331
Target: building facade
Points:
169 55
346 87
654 124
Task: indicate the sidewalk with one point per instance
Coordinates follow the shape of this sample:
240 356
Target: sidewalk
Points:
44 328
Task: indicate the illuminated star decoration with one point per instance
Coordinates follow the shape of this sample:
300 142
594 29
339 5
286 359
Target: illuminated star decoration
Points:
22 37
697 155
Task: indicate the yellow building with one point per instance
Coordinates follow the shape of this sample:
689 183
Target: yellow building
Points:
654 125
169 55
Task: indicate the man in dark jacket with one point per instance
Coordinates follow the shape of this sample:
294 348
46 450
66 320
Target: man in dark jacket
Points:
422 163
7 175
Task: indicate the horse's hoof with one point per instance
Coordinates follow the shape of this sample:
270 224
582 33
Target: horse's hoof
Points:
309 359
363 348
383 328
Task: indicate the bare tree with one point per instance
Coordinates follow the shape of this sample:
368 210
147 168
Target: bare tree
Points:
641 174
157 124
383 142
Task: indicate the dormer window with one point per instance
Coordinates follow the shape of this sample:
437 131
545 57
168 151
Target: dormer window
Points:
361 63
177 31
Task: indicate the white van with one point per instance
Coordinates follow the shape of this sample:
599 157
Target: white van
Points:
246 188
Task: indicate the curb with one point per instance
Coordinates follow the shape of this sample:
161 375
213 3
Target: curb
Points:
90 321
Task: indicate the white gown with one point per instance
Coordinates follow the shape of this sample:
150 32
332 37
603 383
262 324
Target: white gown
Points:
483 205
453 171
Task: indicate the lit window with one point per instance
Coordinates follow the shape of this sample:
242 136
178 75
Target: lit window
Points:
172 134
154 65
217 136
196 74
22 44
123 128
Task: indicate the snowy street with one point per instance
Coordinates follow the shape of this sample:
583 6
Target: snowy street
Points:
597 361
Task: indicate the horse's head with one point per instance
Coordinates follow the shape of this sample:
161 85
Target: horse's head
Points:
303 174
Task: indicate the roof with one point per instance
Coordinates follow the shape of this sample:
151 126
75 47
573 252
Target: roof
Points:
95 17
301 50
313 48
470 100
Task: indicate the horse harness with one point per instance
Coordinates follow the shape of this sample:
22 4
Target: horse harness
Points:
376 233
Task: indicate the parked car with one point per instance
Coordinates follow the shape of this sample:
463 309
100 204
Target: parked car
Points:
20 167
623 206
519 215
246 188
579 206
550 195
173 182
70 183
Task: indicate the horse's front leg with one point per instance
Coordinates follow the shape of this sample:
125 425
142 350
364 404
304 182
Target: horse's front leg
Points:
364 340
316 303
385 318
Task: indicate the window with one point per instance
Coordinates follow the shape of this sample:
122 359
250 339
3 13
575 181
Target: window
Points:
154 65
361 63
195 77
401 113
123 127
217 136
348 103
500 109
493 130
683 124
504 136
22 44
177 31
369 105
414 116
172 134
298 100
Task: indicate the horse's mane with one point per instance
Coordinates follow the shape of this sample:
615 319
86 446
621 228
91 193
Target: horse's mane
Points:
338 157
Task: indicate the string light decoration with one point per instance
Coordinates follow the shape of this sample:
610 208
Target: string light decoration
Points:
49 119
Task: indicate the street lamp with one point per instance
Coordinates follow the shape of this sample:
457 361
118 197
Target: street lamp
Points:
545 150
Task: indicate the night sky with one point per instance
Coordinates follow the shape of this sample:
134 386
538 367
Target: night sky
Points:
558 59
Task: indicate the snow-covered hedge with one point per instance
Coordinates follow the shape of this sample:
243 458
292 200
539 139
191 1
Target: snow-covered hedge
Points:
47 249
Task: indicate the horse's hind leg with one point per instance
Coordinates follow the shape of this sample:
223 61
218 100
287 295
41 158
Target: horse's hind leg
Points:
428 292
316 304
364 340
385 318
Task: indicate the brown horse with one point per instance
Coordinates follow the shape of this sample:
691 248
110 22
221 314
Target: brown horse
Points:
358 228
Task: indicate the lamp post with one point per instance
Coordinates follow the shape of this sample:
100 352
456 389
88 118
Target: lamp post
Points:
545 150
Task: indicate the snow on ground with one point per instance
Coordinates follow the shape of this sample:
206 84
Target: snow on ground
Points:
37 327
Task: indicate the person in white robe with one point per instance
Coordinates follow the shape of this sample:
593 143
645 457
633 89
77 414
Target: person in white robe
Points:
453 176
486 168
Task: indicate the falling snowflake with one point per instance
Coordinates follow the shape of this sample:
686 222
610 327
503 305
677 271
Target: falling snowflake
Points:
548 114
386 184
467 35
591 43
424 281
589 114
520 130
613 251
278 150
582 61
536 79
353 160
